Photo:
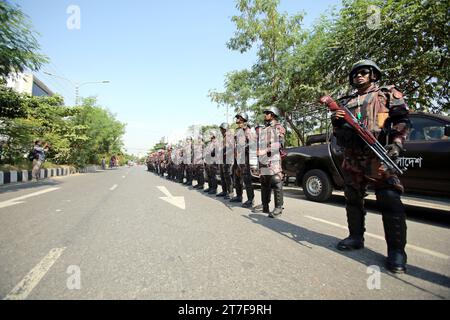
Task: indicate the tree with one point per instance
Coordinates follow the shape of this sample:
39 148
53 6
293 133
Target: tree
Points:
277 36
294 67
18 45
409 39
11 103
100 133
159 146
40 118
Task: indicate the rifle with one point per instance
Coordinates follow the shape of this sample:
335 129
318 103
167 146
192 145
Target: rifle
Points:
365 134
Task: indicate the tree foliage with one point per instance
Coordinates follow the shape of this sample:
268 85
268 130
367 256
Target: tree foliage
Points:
18 45
76 135
295 66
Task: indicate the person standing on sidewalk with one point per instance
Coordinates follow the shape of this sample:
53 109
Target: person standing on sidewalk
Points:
39 157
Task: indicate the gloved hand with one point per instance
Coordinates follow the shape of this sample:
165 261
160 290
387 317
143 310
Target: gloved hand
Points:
337 118
394 149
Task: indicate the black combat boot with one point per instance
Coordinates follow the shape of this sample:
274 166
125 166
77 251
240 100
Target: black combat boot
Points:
276 213
278 197
395 234
248 204
212 191
394 222
236 199
354 205
222 194
351 243
266 193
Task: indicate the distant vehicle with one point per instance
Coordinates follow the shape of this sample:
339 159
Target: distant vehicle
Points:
317 167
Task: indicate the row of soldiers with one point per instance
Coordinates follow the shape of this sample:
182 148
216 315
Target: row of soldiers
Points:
384 112
229 155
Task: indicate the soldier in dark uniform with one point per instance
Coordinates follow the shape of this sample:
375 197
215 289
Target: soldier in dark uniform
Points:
271 141
241 173
199 164
225 167
210 163
181 166
189 157
169 162
383 111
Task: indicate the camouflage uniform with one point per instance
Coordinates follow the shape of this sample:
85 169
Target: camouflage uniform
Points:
198 164
270 143
189 159
225 167
241 171
211 165
384 112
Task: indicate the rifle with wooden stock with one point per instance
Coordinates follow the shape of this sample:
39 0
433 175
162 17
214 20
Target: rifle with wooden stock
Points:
365 134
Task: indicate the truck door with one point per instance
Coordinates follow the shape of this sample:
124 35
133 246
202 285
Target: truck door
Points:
426 157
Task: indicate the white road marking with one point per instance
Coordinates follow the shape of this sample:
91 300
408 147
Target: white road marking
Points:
31 280
410 246
12 202
176 201
113 187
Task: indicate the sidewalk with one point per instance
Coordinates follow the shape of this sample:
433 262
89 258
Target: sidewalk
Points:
11 177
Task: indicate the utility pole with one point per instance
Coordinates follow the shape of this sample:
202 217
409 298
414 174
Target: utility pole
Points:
77 85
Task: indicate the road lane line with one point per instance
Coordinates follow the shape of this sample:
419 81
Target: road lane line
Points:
410 246
12 202
31 280
113 187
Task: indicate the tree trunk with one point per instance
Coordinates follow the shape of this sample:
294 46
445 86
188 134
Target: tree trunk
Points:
294 127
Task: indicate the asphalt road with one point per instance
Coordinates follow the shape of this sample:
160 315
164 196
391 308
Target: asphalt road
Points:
109 235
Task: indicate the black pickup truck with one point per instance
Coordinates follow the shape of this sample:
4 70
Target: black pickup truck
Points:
317 167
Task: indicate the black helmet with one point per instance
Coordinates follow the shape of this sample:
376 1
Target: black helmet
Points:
365 63
274 110
242 115
224 126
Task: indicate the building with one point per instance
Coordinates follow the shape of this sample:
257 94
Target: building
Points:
28 83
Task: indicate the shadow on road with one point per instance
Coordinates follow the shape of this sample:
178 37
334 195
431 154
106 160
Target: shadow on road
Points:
47 182
426 215
29 185
367 257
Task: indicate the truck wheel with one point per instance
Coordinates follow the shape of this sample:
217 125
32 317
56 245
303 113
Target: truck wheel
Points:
317 185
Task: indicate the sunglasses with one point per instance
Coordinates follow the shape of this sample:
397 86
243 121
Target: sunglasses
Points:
363 72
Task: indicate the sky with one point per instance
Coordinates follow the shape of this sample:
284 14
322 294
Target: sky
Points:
161 58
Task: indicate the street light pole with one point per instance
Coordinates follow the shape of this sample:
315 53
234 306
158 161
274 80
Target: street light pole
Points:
77 85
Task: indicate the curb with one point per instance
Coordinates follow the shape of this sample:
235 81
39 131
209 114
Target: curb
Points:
9 177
